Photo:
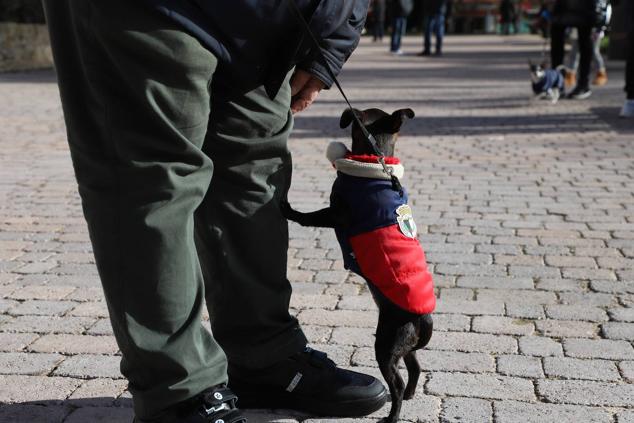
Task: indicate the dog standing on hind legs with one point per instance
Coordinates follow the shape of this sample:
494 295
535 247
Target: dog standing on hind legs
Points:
377 234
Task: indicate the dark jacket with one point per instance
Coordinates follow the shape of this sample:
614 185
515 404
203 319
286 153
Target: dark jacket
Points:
434 7
259 41
402 8
575 12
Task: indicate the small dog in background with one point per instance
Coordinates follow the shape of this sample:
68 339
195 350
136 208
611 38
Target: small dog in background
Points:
376 230
547 83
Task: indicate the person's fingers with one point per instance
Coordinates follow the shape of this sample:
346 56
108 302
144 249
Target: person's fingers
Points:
307 95
299 80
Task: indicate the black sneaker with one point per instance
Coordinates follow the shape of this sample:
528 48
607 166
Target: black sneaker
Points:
310 382
579 93
424 53
214 405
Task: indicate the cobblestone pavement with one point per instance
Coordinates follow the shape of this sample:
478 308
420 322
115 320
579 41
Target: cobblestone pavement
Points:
525 209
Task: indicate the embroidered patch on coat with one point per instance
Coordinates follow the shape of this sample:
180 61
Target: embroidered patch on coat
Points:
406 221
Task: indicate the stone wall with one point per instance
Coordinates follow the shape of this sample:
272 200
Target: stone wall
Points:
24 42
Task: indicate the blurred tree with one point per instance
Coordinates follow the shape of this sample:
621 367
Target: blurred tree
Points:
21 11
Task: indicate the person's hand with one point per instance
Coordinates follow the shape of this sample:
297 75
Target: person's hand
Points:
304 90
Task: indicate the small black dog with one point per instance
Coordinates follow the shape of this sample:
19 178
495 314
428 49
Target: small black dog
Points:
377 233
546 83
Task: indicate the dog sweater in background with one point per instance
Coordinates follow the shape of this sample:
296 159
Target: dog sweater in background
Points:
380 243
552 79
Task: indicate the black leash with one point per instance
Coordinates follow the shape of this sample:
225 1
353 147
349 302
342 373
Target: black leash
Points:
396 184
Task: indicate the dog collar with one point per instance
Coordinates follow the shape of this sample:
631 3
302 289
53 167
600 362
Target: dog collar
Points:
370 168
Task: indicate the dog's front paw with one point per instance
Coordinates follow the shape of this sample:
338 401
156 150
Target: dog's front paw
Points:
388 420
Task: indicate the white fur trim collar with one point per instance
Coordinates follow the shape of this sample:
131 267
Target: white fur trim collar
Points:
367 170
336 152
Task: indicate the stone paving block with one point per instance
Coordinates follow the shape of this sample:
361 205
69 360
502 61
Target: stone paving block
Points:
622 314
42 308
47 324
98 392
75 344
90 309
587 393
476 307
466 410
21 389
513 412
481 386
90 366
472 342
451 322
519 365
598 348
100 327
355 302
575 312
456 294
517 296
618 330
7 305
14 342
567 328
627 370
317 334
560 284
42 292
361 337
26 413
502 325
569 261
591 274
540 346
421 408
525 311
100 415
305 301
495 282
625 417
351 318
37 267
588 299
21 363
572 368
613 287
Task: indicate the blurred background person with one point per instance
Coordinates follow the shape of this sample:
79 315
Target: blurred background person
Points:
400 11
598 32
434 12
376 16
628 107
508 17
582 15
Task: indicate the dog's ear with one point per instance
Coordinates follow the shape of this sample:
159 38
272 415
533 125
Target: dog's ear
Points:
399 116
347 118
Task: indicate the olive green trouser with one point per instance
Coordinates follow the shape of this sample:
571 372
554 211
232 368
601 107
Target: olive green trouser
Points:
147 129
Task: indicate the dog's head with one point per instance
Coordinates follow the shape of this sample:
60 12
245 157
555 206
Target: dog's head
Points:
537 70
383 126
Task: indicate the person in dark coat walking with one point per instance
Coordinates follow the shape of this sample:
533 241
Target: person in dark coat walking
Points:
178 115
378 19
508 16
581 14
627 111
434 12
400 10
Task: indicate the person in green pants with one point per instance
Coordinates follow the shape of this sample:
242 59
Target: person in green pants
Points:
178 135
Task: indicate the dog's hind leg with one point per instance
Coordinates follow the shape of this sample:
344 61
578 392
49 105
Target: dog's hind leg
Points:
388 363
393 341
413 373
425 328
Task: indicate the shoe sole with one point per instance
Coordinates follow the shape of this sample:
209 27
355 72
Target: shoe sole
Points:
581 96
283 400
